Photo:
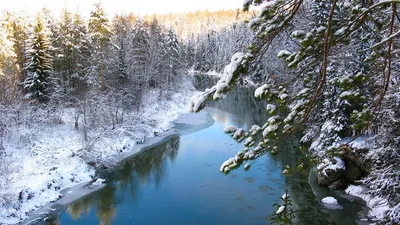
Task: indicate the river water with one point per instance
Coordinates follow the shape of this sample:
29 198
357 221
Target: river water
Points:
179 182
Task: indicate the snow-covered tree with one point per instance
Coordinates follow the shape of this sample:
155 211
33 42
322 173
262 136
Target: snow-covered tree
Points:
121 30
156 57
337 49
39 66
100 34
80 55
173 55
8 59
139 52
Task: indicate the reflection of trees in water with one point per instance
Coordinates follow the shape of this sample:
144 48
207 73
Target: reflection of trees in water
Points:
81 207
152 163
52 221
105 205
310 211
241 103
138 170
201 81
103 201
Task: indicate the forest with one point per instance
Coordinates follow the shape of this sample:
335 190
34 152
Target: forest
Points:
82 89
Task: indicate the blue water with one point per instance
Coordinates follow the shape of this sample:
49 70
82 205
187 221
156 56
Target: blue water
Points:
188 187
179 182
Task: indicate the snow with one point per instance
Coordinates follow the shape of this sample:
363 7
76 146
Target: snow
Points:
273 119
330 201
280 209
333 165
213 73
98 182
254 21
46 154
261 90
271 108
230 129
249 141
298 34
198 100
283 53
269 129
362 142
304 91
284 196
283 96
238 133
340 31
265 6
246 2
378 206
321 29
226 164
346 94
254 129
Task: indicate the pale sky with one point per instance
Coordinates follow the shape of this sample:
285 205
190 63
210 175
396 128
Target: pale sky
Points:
120 6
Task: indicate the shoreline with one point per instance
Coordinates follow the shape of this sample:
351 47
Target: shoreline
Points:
186 123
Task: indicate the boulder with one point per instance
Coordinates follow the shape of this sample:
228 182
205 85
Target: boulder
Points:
329 176
330 171
353 172
339 184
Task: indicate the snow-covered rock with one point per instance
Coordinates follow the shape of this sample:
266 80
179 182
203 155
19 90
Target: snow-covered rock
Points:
330 170
330 200
98 182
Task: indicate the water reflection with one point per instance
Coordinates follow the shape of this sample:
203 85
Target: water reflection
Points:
178 182
241 103
140 170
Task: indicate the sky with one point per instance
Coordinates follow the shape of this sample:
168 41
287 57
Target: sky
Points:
120 6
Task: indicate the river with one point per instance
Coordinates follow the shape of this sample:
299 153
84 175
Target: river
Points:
179 182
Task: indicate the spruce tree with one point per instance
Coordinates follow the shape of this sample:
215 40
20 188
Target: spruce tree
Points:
100 34
173 53
39 65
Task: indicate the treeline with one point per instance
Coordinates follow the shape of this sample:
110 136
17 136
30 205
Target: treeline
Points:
65 58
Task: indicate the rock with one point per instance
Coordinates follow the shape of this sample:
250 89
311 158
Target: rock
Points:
339 184
330 200
330 177
330 171
353 172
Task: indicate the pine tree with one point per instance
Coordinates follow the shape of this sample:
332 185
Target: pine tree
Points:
121 30
8 60
63 47
139 54
19 35
39 66
80 54
173 54
156 58
138 58
100 33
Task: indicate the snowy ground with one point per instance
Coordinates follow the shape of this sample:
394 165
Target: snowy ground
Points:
378 206
43 157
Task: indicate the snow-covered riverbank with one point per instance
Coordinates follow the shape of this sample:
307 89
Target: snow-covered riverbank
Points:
43 157
185 123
